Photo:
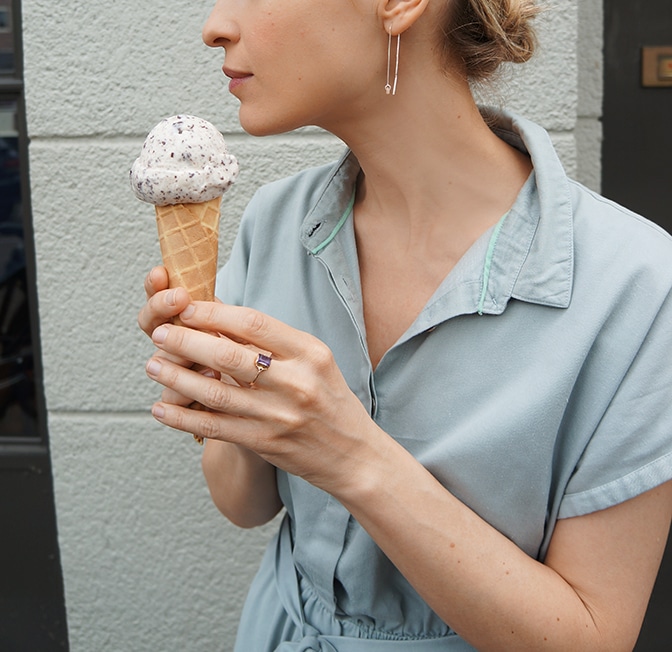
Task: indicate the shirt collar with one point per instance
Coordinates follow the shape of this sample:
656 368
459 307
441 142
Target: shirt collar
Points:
534 256
531 258
333 206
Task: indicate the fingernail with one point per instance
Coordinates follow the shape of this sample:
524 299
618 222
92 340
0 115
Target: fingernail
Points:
160 334
188 311
154 367
158 411
170 298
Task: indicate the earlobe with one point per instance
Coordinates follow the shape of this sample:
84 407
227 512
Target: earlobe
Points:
400 15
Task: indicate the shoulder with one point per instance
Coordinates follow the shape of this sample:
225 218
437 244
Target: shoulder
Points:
625 245
608 215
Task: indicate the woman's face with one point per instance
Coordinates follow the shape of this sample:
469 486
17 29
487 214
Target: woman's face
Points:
299 62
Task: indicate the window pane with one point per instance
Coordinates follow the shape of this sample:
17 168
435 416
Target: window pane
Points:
17 386
6 39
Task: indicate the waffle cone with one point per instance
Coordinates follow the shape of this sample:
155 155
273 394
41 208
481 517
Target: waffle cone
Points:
189 240
189 237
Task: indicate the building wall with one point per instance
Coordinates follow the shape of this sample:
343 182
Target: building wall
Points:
148 562
588 130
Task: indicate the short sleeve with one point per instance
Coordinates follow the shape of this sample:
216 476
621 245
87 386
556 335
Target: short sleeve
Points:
630 451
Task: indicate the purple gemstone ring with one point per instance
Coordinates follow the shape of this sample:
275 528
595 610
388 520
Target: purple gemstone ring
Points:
262 363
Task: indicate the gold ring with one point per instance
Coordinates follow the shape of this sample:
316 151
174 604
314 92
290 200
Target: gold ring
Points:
262 363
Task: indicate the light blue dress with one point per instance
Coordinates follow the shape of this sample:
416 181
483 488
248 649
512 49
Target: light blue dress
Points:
536 384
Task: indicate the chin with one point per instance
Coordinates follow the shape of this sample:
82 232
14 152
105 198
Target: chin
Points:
267 125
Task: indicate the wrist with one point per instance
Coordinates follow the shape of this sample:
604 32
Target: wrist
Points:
378 466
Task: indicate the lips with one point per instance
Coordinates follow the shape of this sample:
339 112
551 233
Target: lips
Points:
237 77
235 74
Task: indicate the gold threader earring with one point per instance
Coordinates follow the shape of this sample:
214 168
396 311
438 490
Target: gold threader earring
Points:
393 87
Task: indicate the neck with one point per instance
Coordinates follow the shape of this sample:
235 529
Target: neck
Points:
442 168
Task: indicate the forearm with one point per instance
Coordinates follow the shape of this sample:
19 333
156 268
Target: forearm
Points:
242 485
478 581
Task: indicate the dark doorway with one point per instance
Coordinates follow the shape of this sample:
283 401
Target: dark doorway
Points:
32 610
637 172
637 148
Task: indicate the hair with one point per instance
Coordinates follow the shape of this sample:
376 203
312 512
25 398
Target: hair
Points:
483 34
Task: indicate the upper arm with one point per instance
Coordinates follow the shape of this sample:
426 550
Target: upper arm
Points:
611 559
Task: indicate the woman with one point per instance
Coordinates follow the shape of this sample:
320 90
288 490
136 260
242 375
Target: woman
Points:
445 360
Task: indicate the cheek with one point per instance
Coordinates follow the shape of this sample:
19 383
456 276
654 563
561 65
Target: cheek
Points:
264 38
286 42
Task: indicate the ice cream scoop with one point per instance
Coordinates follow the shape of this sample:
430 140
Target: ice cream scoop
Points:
184 168
184 160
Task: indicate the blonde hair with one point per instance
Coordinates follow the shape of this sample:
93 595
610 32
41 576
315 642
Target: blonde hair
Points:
483 34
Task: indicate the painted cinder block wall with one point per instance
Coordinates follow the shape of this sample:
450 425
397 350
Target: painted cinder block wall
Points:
148 562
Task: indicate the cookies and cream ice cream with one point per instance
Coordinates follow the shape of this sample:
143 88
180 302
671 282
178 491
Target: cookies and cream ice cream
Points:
184 160
184 168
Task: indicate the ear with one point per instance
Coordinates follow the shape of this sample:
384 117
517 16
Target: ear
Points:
399 15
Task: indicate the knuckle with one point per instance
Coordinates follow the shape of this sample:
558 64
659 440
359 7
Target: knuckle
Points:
176 339
149 285
304 390
147 318
210 314
254 324
321 356
169 376
294 420
178 420
216 395
207 426
228 357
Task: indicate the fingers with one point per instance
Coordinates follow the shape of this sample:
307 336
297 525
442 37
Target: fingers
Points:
155 281
185 386
247 325
172 396
221 354
161 307
202 423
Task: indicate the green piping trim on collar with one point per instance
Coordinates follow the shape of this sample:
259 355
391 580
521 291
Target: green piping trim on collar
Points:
488 261
338 227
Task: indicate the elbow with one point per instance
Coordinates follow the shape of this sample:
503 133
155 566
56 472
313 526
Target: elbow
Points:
612 638
248 518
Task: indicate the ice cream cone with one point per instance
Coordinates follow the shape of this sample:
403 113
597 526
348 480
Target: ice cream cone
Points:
188 236
184 168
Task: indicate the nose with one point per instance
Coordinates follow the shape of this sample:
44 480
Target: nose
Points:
220 29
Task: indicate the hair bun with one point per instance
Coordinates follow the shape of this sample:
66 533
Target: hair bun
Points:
486 33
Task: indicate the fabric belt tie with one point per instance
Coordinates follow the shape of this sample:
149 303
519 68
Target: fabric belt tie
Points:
287 586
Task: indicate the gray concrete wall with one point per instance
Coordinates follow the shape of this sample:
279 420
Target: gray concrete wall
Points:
148 562
590 85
